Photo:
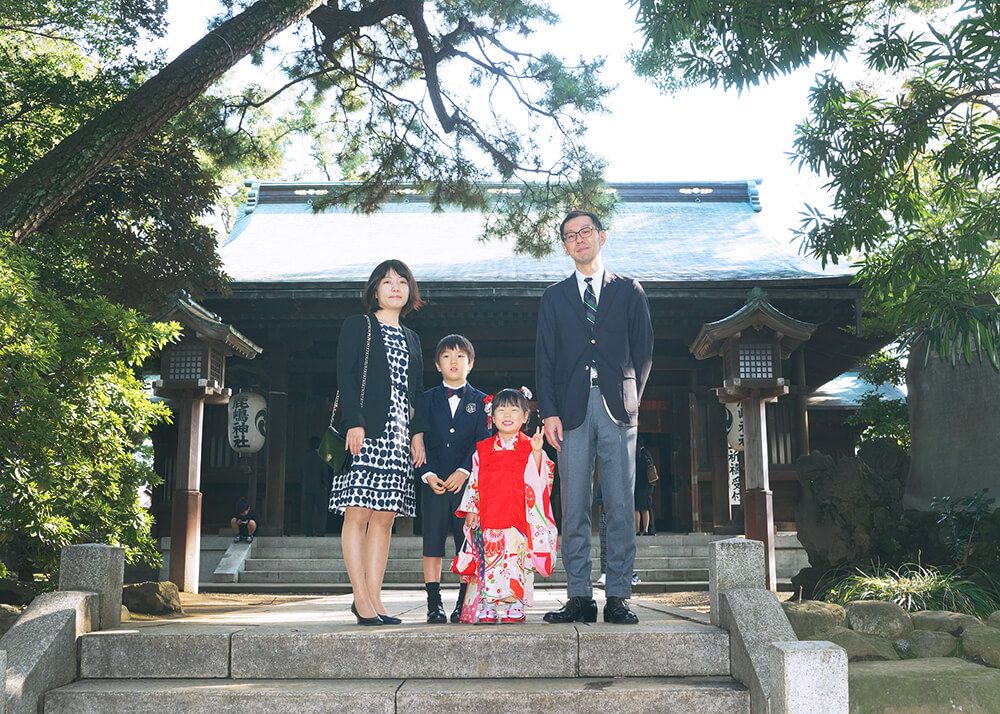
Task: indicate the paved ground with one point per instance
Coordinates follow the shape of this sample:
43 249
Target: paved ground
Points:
410 605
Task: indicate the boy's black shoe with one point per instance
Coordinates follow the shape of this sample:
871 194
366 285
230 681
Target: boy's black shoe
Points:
435 614
249 539
238 539
617 613
576 609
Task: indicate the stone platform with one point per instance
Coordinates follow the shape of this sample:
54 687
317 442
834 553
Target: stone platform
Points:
310 655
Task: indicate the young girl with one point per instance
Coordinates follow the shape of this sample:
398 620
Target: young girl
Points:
508 513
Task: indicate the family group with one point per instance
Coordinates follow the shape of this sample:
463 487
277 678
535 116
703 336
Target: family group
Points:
485 478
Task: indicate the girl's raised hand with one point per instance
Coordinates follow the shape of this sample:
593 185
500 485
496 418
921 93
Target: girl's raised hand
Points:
537 440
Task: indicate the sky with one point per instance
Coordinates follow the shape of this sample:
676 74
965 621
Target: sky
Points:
698 134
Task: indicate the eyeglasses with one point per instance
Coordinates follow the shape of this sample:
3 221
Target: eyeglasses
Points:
586 232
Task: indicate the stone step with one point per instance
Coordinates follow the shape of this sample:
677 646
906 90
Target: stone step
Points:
646 586
412 576
308 651
264 550
692 695
413 564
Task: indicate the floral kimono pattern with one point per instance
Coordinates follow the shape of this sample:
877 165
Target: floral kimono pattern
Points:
510 557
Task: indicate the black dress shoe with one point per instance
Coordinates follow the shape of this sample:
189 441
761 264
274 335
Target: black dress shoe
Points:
435 614
389 619
456 614
576 609
617 613
367 621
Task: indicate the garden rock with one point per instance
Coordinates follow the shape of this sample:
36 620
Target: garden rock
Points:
813 617
994 619
859 647
929 643
879 618
923 686
942 621
152 598
982 644
14 592
126 615
8 614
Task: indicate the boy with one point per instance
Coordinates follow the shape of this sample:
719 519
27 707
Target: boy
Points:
244 523
457 419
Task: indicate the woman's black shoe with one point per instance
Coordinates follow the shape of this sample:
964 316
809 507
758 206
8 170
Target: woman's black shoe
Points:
390 620
367 621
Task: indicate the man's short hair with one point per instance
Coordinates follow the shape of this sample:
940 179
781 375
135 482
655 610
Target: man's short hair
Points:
579 214
455 342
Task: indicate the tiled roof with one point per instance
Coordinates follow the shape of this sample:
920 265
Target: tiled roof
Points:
677 232
845 392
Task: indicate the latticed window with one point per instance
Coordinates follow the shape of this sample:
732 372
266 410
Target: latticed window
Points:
185 360
215 363
756 360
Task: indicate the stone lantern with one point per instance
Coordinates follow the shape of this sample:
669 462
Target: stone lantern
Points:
192 374
753 342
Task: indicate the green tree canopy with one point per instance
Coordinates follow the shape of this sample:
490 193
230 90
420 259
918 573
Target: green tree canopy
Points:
912 154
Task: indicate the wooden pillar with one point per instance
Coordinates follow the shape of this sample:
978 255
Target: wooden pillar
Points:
185 522
693 452
759 509
801 401
277 427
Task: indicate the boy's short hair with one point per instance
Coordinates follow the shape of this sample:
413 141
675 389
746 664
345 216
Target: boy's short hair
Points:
455 342
511 398
242 505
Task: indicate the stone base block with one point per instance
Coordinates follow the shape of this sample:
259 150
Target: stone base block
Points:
179 655
733 563
808 677
924 686
99 569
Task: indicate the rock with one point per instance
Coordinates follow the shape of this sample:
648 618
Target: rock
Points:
923 686
126 615
8 614
994 619
15 592
812 617
859 647
152 598
982 644
879 618
942 621
929 643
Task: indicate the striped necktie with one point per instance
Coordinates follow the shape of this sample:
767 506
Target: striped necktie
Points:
590 302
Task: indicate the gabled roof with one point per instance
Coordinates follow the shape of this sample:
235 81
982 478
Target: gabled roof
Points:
686 233
182 308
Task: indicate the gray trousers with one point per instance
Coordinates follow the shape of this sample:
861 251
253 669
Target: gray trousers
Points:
598 438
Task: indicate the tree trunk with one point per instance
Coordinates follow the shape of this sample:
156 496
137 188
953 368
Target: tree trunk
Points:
54 179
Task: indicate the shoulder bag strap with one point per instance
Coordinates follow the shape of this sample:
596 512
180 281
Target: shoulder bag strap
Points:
364 372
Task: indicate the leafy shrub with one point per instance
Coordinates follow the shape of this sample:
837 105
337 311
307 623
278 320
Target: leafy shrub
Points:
913 587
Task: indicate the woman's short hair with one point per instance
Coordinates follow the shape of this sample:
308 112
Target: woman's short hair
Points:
455 342
511 398
370 297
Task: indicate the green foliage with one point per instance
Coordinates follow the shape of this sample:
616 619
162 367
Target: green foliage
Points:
962 521
912 169
73 412
913 587
882 418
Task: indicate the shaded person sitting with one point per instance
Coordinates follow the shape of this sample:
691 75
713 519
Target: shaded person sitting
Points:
244 523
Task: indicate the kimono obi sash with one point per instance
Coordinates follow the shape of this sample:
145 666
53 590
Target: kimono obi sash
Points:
501 484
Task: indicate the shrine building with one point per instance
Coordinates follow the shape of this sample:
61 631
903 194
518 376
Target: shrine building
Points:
698 249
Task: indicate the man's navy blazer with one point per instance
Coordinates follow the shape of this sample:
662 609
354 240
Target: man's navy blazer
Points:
620 344
451 441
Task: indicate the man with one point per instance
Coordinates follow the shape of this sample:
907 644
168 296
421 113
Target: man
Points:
593 354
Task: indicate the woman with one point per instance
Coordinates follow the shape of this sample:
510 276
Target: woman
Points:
382 409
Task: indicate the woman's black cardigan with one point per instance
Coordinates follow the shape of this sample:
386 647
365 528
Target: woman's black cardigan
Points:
350 363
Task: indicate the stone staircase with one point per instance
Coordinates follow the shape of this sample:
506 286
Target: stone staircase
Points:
310 657
668 562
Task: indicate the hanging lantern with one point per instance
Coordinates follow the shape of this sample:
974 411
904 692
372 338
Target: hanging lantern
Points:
247 422
734 425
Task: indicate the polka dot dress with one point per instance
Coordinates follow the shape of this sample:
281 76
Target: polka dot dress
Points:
381 476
